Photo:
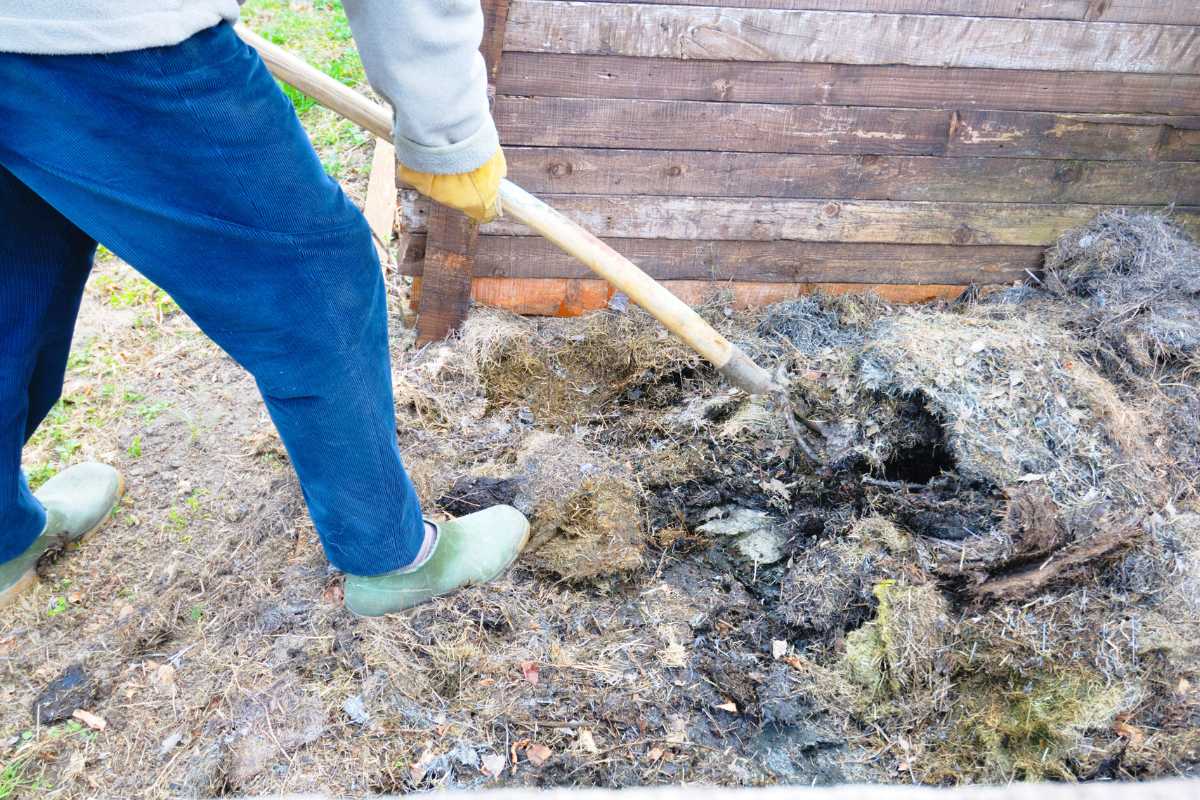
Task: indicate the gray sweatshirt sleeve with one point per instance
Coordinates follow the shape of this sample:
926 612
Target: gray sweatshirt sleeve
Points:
423 57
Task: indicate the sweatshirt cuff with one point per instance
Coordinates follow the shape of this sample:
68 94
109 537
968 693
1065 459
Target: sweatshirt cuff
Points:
452 159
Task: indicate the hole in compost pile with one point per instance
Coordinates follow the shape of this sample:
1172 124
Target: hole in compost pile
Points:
921 453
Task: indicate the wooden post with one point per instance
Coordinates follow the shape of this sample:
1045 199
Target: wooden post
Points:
445 292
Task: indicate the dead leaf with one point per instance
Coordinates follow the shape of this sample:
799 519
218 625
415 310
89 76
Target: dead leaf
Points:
1130 732
530 670
74 597
93 721
537 753
587 742
793 661
493 765
488 682
730 706
655 753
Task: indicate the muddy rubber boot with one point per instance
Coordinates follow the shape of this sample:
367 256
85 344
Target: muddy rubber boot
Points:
78 501
468 551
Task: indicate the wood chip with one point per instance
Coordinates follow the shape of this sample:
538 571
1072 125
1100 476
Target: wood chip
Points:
537 753
93 721
731 707
587 742
530 670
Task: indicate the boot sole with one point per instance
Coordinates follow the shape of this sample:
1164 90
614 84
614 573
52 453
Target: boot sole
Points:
30 579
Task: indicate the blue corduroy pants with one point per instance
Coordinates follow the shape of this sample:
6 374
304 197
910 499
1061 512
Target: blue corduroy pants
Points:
188 162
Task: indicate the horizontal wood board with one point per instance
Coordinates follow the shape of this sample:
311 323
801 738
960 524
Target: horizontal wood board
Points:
747 261
572 170
893 86
566 297
769 219
736 34
1167 12
764 128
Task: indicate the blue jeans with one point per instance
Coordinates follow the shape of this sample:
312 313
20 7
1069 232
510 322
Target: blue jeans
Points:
188 162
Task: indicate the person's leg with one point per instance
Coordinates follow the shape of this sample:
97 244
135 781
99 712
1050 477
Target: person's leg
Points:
44 262
190 164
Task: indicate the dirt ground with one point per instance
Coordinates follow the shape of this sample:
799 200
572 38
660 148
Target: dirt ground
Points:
992 575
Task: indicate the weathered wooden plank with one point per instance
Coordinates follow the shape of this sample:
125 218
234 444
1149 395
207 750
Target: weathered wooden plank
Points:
1167 12
746 127
803 262
1017 180
761 219
1021 9
766 128
571 297
1180 144
444 294
1024 133
380 206
731 34
896 86
445 290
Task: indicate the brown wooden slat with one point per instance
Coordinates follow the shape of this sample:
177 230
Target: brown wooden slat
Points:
681 172
554 75
1021 9
444 294
1023 133
445 290
658 124
571 297
1167 12
731 34
804 262
764 219
763 128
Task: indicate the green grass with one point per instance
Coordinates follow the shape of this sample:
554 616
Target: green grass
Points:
13 781
321 35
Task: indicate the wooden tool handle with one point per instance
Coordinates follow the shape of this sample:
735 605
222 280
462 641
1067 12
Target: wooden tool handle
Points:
622 273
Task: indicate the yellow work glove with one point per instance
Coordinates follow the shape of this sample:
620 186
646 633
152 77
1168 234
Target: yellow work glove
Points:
475 193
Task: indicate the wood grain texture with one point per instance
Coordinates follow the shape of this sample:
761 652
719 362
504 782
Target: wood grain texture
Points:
445 291
870 177
555 75
1165 12
744 127
572 297
803 262
731 34
1023 133
1168 12
380 206
768 128
764 219
1021 9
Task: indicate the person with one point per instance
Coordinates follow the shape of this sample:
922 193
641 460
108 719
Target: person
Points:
152 128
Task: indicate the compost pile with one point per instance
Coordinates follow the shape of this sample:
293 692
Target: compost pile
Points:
993 574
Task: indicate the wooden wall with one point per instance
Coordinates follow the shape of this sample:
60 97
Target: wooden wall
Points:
912 146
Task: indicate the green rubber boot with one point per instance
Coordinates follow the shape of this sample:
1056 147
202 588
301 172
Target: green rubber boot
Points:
468 551
77 502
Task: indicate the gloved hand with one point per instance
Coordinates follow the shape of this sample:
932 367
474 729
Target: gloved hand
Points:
475 193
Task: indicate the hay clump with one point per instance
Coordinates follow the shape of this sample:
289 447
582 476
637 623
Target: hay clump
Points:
566 371
1138 279
902 650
